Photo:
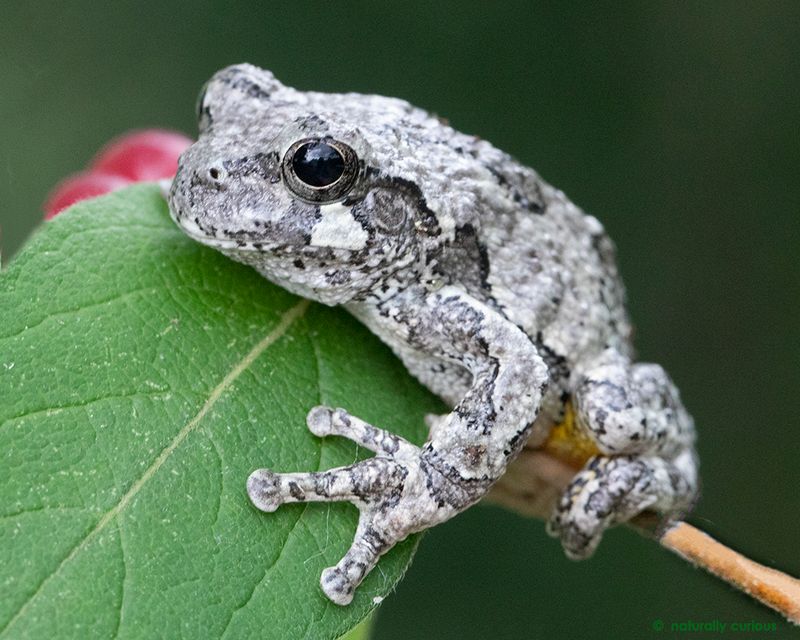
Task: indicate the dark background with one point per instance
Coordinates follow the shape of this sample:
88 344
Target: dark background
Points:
675 123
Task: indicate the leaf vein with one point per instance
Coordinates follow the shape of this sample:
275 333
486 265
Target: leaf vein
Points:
277 332
84 404
264 575
91 305
122 589
272 565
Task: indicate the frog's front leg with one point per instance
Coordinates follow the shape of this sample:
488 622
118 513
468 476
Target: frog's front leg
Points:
404 488
647 462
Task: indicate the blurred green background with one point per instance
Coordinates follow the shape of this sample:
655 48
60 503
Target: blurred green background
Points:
677 124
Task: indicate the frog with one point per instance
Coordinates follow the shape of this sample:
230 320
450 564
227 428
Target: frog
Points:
496 292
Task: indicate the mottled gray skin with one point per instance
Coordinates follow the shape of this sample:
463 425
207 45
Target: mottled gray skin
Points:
496 291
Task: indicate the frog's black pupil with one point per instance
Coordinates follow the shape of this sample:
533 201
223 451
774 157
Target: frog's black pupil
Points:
318 164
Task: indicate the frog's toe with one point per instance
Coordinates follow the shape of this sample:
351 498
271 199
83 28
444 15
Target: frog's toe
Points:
320 421
340 582
337 586
265 490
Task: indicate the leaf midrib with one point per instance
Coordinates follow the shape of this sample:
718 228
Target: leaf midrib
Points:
280 329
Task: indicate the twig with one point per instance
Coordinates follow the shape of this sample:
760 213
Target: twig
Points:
534 482
770 586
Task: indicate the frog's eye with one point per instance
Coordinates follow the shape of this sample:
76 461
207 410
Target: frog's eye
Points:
319 169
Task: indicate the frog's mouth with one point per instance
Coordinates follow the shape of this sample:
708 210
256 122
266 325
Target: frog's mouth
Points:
261 238
266 238
239 241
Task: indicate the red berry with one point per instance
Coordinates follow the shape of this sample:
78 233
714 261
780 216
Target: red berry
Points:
80 186
151 154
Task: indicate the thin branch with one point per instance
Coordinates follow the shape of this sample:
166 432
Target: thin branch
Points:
770 586
534 482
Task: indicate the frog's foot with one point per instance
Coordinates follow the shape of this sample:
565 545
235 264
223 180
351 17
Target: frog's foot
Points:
375 486
613 490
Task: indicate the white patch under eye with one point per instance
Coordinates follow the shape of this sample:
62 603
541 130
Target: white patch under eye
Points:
249 214
338 229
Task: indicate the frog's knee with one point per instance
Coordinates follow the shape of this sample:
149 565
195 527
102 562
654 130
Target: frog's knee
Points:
631 409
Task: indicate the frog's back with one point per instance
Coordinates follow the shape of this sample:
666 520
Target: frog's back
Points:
544 263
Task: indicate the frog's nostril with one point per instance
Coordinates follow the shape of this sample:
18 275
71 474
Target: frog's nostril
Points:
217 174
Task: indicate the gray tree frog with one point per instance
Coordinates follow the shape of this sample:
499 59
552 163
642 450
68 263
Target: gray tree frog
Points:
497 293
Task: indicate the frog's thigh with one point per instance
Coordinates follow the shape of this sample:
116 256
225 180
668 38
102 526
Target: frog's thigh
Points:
631 407
612 490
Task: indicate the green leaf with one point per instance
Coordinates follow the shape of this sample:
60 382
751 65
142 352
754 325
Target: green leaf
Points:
142 378
362 631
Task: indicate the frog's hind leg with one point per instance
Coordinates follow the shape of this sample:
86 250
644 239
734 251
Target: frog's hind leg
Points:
610 490
634 415
631 408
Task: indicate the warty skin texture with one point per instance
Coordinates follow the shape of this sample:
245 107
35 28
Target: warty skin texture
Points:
497 293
